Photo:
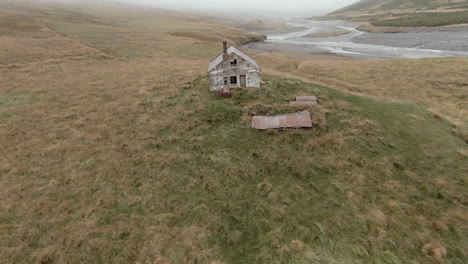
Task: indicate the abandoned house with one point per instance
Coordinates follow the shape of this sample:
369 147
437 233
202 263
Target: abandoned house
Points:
233 68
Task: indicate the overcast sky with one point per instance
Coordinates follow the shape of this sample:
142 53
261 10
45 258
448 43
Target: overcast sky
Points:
255 6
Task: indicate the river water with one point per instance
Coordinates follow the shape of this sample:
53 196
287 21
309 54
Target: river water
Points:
424 43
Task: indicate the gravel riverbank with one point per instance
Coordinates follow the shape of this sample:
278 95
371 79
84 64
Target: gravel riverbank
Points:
361 45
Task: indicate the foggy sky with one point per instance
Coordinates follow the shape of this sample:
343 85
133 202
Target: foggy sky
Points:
253 6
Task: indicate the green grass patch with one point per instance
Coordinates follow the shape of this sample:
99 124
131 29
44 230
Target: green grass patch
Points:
325 194
423 19
8 100
378 5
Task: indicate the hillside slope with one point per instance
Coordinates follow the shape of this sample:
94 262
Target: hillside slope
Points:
407 12
114 151
378 5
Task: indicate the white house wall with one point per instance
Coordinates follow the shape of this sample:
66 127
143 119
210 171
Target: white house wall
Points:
224 69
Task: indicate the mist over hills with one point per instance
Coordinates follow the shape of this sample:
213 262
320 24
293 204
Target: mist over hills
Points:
402 13
379 5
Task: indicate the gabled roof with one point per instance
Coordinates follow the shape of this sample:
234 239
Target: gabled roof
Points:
230 50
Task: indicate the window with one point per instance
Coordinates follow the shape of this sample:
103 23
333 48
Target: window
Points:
233 80
225 80
234 62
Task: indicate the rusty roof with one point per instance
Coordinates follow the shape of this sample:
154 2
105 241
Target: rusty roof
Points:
298 120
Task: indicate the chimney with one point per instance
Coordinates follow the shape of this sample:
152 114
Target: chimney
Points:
225 53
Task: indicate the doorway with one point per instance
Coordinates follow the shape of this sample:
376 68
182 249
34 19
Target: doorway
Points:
243 81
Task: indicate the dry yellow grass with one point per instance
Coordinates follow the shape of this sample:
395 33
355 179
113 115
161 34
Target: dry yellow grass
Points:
113 151
73 103
427 13
440 85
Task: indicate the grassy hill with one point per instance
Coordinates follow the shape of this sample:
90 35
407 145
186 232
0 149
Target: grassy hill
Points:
377 5
114 151
413 13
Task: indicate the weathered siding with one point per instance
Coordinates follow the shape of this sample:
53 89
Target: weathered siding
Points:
225 69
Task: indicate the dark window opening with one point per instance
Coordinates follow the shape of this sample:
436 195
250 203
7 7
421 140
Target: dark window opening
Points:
225 80
233 80
234 62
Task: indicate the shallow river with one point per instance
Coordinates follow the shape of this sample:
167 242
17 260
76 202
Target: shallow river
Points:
431 43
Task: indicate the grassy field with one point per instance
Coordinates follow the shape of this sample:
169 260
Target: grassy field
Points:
114 151
437 84
376 5
423 19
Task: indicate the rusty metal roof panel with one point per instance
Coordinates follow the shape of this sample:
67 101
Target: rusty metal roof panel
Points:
298 120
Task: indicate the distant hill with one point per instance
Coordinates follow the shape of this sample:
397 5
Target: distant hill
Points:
379 5
406 12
